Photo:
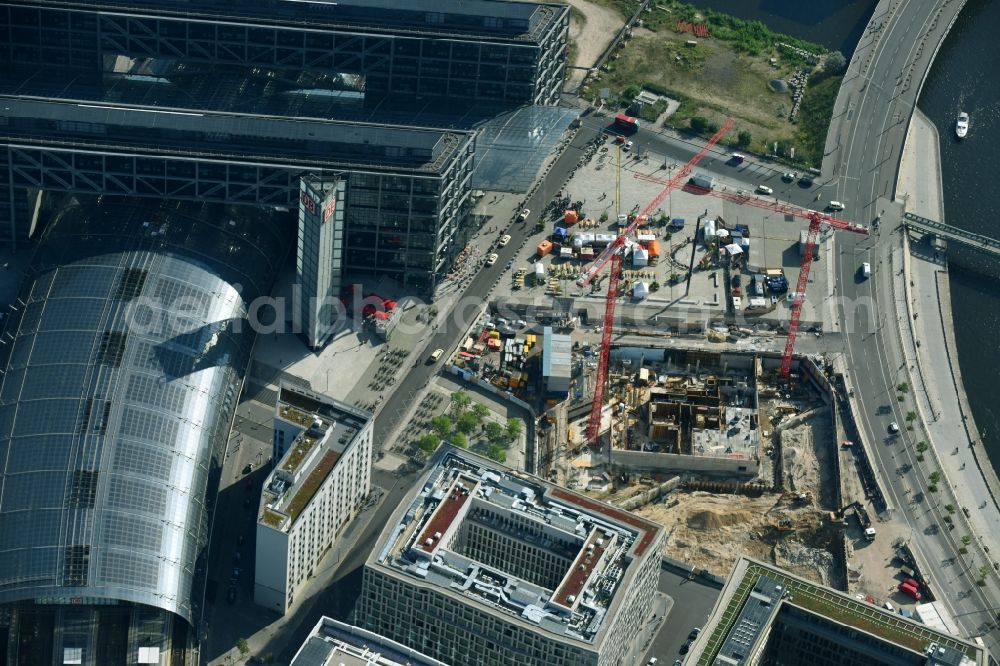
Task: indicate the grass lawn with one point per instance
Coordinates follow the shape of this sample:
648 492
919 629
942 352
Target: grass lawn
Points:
724 75
814 117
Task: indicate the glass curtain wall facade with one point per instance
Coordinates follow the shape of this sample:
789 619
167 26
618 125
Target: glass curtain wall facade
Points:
509 52
122 364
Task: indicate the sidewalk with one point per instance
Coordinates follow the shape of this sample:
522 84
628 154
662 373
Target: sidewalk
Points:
923 309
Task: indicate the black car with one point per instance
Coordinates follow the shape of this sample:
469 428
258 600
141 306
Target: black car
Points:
737 280
806 181
248 468
685 647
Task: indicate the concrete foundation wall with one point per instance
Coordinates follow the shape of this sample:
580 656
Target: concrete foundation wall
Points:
643 461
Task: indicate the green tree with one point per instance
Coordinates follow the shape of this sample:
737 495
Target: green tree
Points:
654 286
442 424
934 477
466 422
911 416
966 540
950 508
460 440
428 443
494 431
630 93
604 216
835 63
699 124
496 452
921 447
241 645
903 388
513 429
460 400
744 139
480 411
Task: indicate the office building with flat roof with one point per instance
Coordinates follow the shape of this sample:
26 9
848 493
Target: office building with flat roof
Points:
274 104
766 615
501 52
323 449
483 564
333 643
121 369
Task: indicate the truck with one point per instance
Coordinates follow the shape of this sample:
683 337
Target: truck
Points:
909 588
702 181
627 123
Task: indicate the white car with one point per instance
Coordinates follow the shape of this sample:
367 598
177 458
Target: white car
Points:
835 205
504 239
893 428
628 146
764 189
789 177
436 354
523 215
492 259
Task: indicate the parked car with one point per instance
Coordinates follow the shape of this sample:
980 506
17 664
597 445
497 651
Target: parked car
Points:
736 158
789 177
523 215
893 428
694 633
806 180
435 355
504 239
248 468
737 280
764 189
835 205
492 259
628 146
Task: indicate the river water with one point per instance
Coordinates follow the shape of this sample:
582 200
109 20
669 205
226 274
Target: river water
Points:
964 77
835 24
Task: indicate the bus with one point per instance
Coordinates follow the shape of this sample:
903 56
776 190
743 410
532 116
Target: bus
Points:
626 123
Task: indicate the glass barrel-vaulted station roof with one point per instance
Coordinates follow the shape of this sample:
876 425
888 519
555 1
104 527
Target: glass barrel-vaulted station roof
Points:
121 362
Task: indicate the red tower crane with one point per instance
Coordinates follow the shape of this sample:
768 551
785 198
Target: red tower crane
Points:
612 253
816 220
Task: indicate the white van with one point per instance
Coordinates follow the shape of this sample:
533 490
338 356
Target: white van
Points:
866 270
835 205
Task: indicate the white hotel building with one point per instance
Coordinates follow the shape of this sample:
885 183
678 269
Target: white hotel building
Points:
323 475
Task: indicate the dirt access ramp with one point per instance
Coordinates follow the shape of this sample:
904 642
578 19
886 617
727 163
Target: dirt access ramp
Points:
591 28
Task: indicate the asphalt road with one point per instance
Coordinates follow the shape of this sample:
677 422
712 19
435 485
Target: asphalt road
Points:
679 149
863 152
452 328
693 601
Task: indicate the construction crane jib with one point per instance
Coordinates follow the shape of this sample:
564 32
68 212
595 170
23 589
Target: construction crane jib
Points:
678 178
613 253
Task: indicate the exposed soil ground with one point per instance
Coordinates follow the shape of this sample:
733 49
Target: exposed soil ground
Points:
712 531
591 29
